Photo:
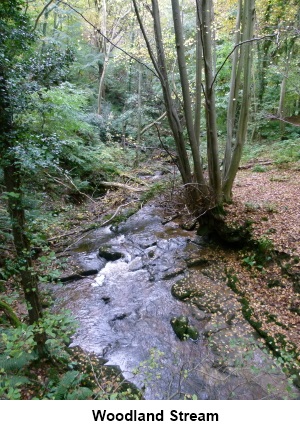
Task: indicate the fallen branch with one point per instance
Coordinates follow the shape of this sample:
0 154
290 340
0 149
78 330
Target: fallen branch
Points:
285 120
170 219
119 185
254 163
68 186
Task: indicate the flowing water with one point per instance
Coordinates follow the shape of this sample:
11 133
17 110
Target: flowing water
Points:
124 314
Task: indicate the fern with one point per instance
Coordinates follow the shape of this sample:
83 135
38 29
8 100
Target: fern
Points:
70 380
80 393
15 364
14 381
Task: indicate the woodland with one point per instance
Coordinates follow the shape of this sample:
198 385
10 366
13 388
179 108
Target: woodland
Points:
108 106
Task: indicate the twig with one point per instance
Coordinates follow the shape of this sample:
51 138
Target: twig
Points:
170 219
174 159
67 186
52 239
116 212
95 376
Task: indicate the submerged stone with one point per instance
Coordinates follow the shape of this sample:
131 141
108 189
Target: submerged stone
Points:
109 253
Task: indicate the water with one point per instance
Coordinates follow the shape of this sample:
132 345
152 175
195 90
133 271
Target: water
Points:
124 315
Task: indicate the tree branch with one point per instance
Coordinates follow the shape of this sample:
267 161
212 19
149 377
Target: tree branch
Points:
153 123
42 12
150 51
109 40
255 39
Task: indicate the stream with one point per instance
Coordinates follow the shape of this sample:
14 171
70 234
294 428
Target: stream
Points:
124 313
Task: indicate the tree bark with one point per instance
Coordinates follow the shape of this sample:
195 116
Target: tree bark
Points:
246 64
211 118
187 102
159 64
198 91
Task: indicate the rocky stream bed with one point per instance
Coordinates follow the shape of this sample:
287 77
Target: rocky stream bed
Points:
149 308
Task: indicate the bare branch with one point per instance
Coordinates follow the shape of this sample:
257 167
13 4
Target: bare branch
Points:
108 39
153 123
255 39
150 51
42 12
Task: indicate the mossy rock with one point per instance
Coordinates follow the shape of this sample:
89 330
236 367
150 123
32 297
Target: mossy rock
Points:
182 328
192 332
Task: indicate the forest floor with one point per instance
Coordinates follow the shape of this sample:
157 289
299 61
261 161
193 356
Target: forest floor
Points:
265 274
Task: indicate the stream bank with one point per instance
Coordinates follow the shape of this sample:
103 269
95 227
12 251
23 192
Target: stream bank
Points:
156 273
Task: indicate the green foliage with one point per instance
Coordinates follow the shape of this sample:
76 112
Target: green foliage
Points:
232 279
19 341
250 261
261 254
15 32
58 329
68 387
14 363
287 151
284 151
17 353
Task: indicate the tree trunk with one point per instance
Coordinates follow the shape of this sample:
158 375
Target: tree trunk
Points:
248 17
13 185
233 95
106 50
198 91
187 102
210 104
160 67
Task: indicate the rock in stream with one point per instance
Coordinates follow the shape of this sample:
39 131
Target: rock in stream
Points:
124 314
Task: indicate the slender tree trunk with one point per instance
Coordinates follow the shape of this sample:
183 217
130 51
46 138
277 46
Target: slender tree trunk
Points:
198 92
233 95
160 67
106 50
187 102
139 125
101 85
246 62
211 118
